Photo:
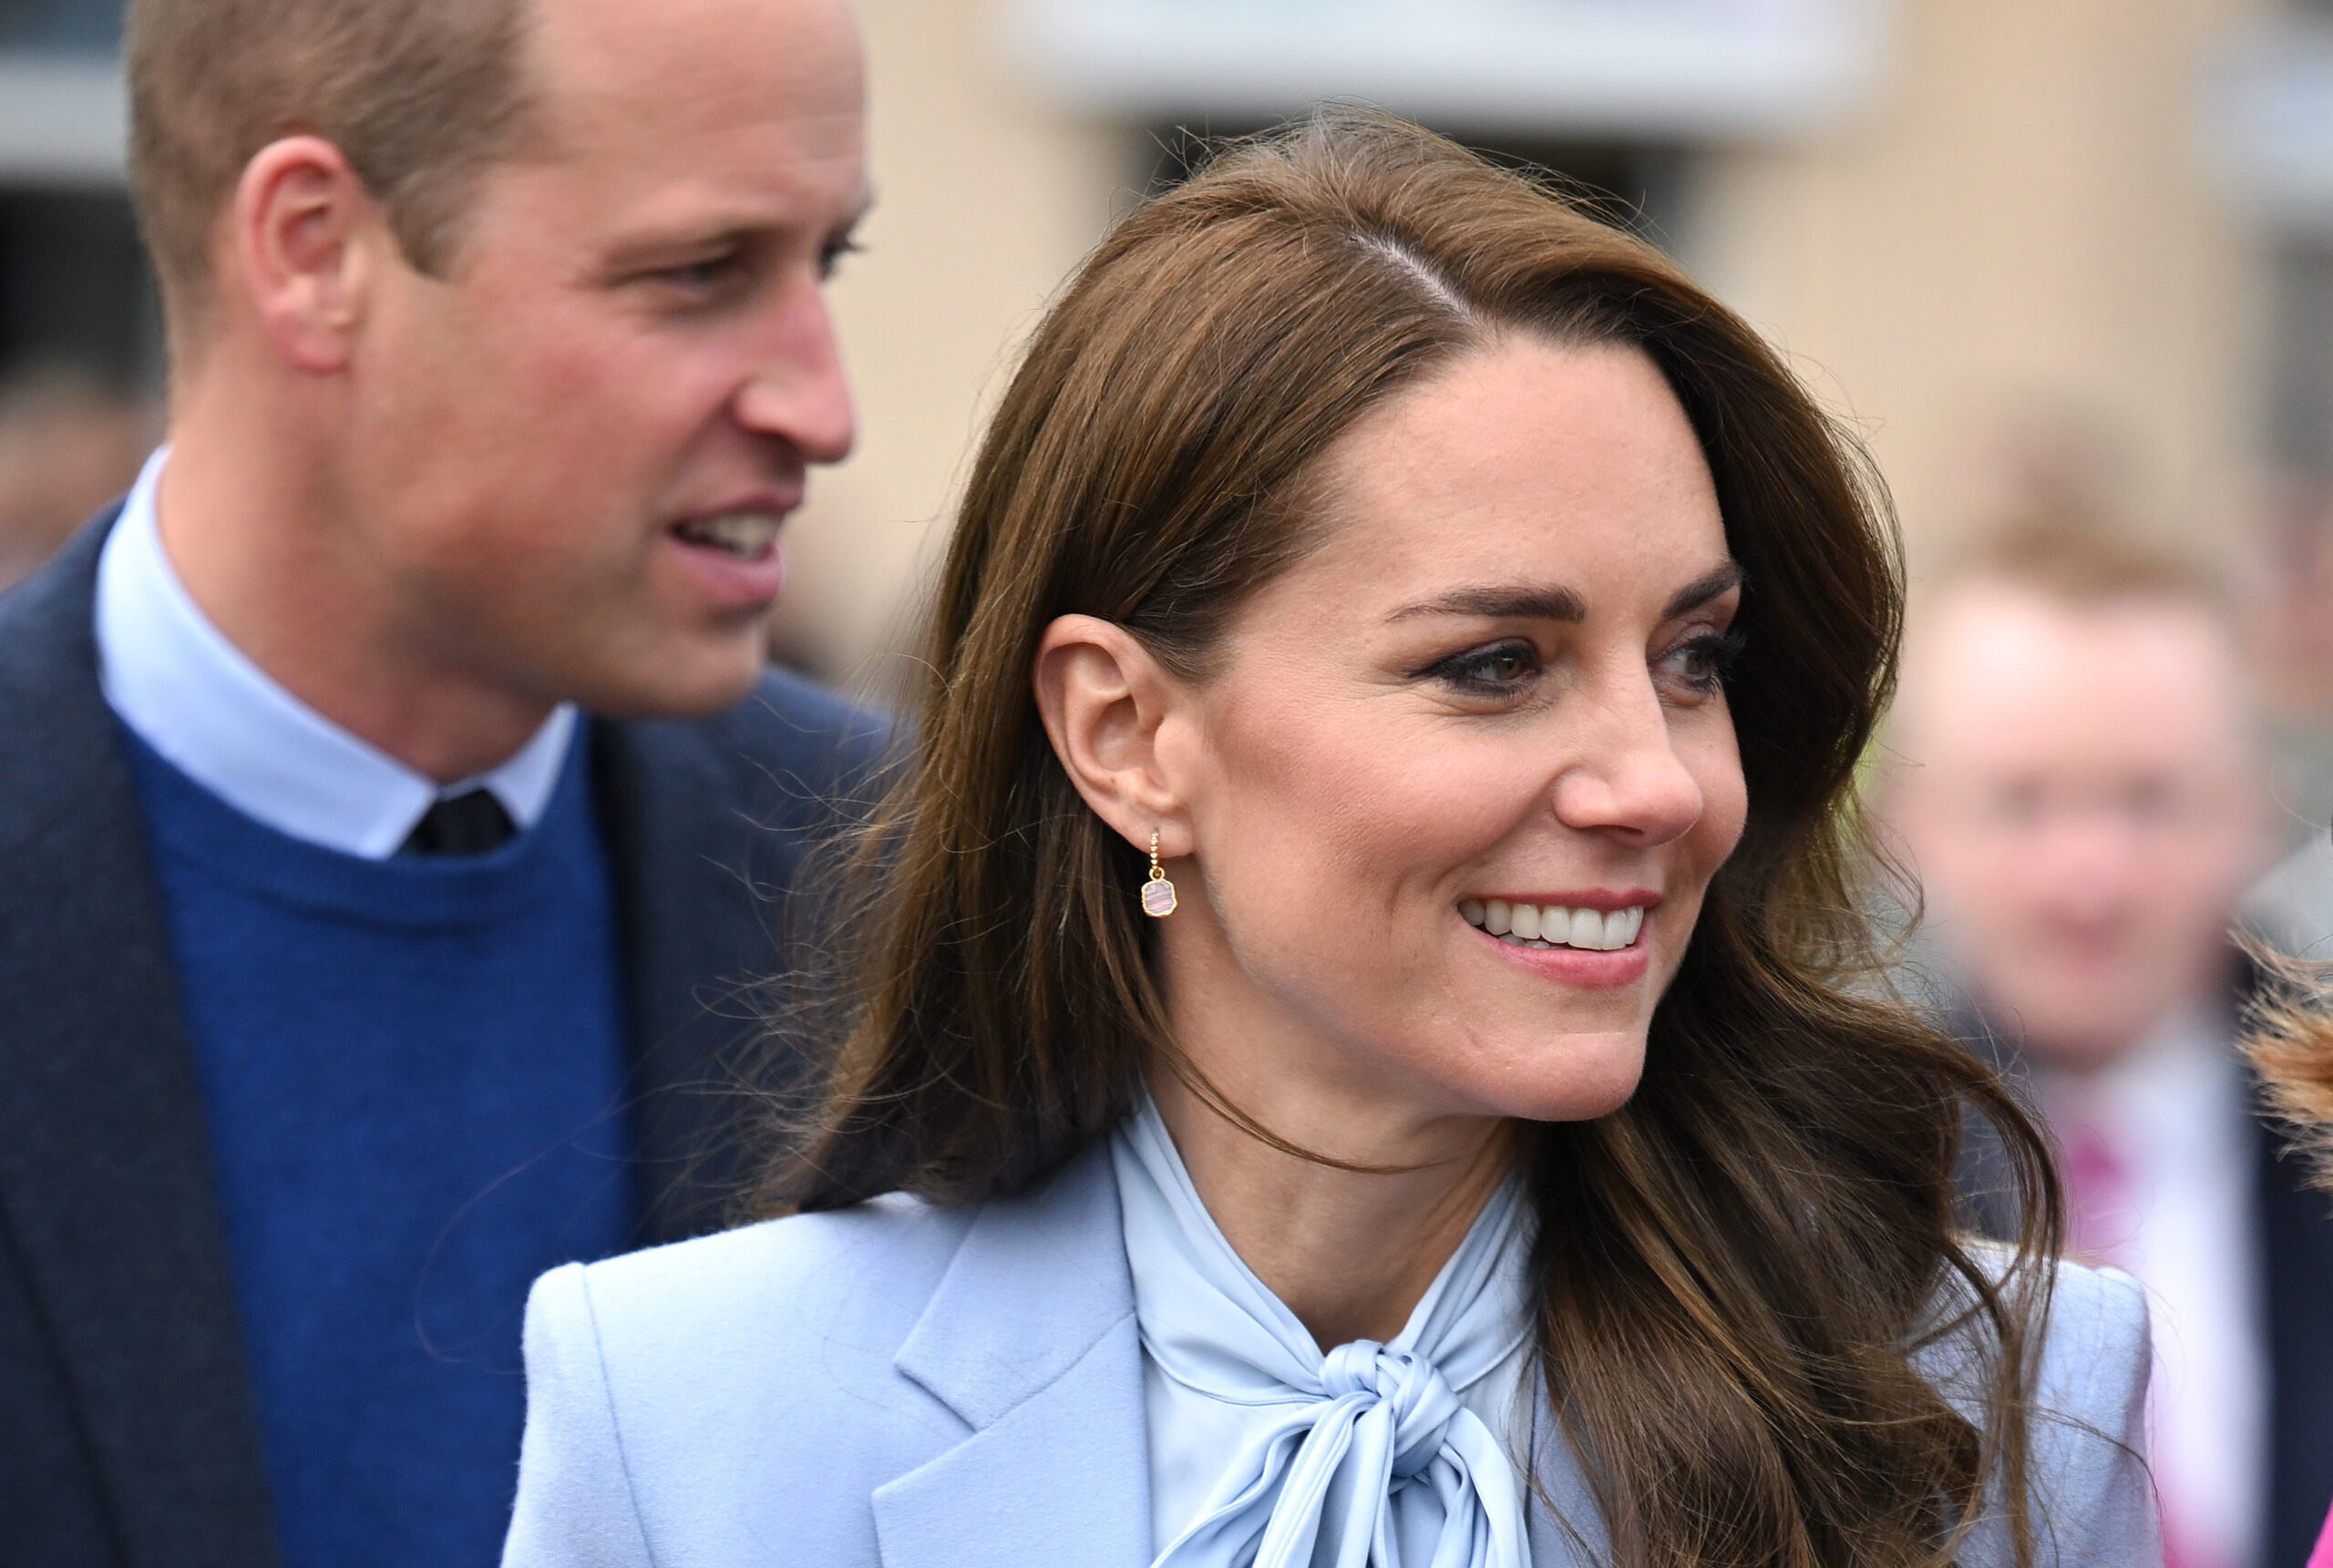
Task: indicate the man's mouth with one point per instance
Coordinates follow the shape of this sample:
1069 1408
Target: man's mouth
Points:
745 536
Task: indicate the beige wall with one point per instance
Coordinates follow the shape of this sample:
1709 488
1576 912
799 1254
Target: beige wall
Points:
984 201
2020 232
2017 230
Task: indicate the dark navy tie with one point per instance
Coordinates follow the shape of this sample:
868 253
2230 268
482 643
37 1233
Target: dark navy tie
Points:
470 823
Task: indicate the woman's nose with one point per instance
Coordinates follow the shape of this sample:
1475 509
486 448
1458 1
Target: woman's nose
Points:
1625 774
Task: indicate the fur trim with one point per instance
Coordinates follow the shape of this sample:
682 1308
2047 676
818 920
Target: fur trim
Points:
2289 1035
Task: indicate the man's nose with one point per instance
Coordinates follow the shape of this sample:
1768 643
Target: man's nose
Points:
1626 775
796 389
2092 860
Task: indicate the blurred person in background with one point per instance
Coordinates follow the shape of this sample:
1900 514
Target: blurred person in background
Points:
2078 788
69 443
388 782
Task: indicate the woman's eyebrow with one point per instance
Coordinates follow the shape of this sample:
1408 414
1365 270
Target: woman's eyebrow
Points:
1702 589
1501 604
1560 604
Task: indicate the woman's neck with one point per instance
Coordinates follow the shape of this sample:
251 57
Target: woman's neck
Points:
1350 1253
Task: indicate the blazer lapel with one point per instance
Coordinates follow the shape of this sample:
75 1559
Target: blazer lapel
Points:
1030 1338
1565 1526
2294 1233
104 1175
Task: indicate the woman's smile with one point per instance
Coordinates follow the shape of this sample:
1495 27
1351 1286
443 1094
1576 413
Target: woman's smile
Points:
1591 922
1588 941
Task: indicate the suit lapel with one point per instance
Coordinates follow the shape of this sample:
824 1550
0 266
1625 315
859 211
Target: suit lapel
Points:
692 933
104 1175
2294 1234
1030 1338
707 822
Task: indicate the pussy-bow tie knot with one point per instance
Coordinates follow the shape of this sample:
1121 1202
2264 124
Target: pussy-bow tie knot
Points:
1416 1395
1276 1455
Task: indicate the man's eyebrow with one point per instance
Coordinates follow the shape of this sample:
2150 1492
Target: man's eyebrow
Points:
652 249
639 249
1560 604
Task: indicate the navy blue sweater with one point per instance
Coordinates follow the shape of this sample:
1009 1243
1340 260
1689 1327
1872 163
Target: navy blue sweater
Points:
412 1070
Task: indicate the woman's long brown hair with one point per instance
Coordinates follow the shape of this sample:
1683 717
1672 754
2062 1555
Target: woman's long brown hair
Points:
1737 1268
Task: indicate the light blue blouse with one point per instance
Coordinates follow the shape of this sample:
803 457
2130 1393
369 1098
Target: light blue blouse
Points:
1264 1450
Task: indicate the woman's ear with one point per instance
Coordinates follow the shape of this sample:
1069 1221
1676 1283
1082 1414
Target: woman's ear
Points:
1104 700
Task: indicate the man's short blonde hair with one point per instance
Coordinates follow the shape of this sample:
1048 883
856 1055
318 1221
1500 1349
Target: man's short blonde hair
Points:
418 95
2079 556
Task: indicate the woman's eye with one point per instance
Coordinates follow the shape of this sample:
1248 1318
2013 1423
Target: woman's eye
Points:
1703 661
1502 666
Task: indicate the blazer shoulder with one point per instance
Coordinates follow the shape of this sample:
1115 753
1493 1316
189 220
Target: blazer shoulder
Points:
49 689
2092 1342
2092 1501
2098 1324
854 1277
697 1398
60 597
2093 1497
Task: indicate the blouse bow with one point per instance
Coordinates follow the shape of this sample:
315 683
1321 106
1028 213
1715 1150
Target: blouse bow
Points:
1364 1457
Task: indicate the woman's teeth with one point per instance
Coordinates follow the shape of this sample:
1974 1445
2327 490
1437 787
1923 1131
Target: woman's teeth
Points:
1553 925
749 535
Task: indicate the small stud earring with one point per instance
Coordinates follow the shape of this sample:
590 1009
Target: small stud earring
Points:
1157 894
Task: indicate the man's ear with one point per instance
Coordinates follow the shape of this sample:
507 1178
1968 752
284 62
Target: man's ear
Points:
304 231
1104 700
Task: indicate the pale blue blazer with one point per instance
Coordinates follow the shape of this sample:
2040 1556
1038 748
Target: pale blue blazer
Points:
923 1387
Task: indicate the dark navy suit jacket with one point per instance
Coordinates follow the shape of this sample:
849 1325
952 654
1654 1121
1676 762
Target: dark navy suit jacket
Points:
129 1436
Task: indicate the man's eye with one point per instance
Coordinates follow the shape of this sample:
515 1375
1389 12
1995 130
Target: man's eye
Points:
702 276
830 257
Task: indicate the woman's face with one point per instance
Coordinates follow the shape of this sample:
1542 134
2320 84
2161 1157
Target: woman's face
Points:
1460 780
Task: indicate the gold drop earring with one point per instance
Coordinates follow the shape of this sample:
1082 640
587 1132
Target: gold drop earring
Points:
1157 894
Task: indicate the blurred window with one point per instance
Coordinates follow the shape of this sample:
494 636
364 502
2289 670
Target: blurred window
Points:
80 331
1652 68
74 287
1643 187
80 25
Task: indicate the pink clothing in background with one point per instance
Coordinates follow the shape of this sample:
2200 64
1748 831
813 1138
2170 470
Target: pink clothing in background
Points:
2323 1556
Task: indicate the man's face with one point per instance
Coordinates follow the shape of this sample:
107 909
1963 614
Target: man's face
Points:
2080 803
569 455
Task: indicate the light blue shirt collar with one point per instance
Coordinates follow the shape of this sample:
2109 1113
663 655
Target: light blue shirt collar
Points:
198 699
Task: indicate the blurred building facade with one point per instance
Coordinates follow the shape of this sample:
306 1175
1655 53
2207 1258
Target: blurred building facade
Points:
1980 219
1971 223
